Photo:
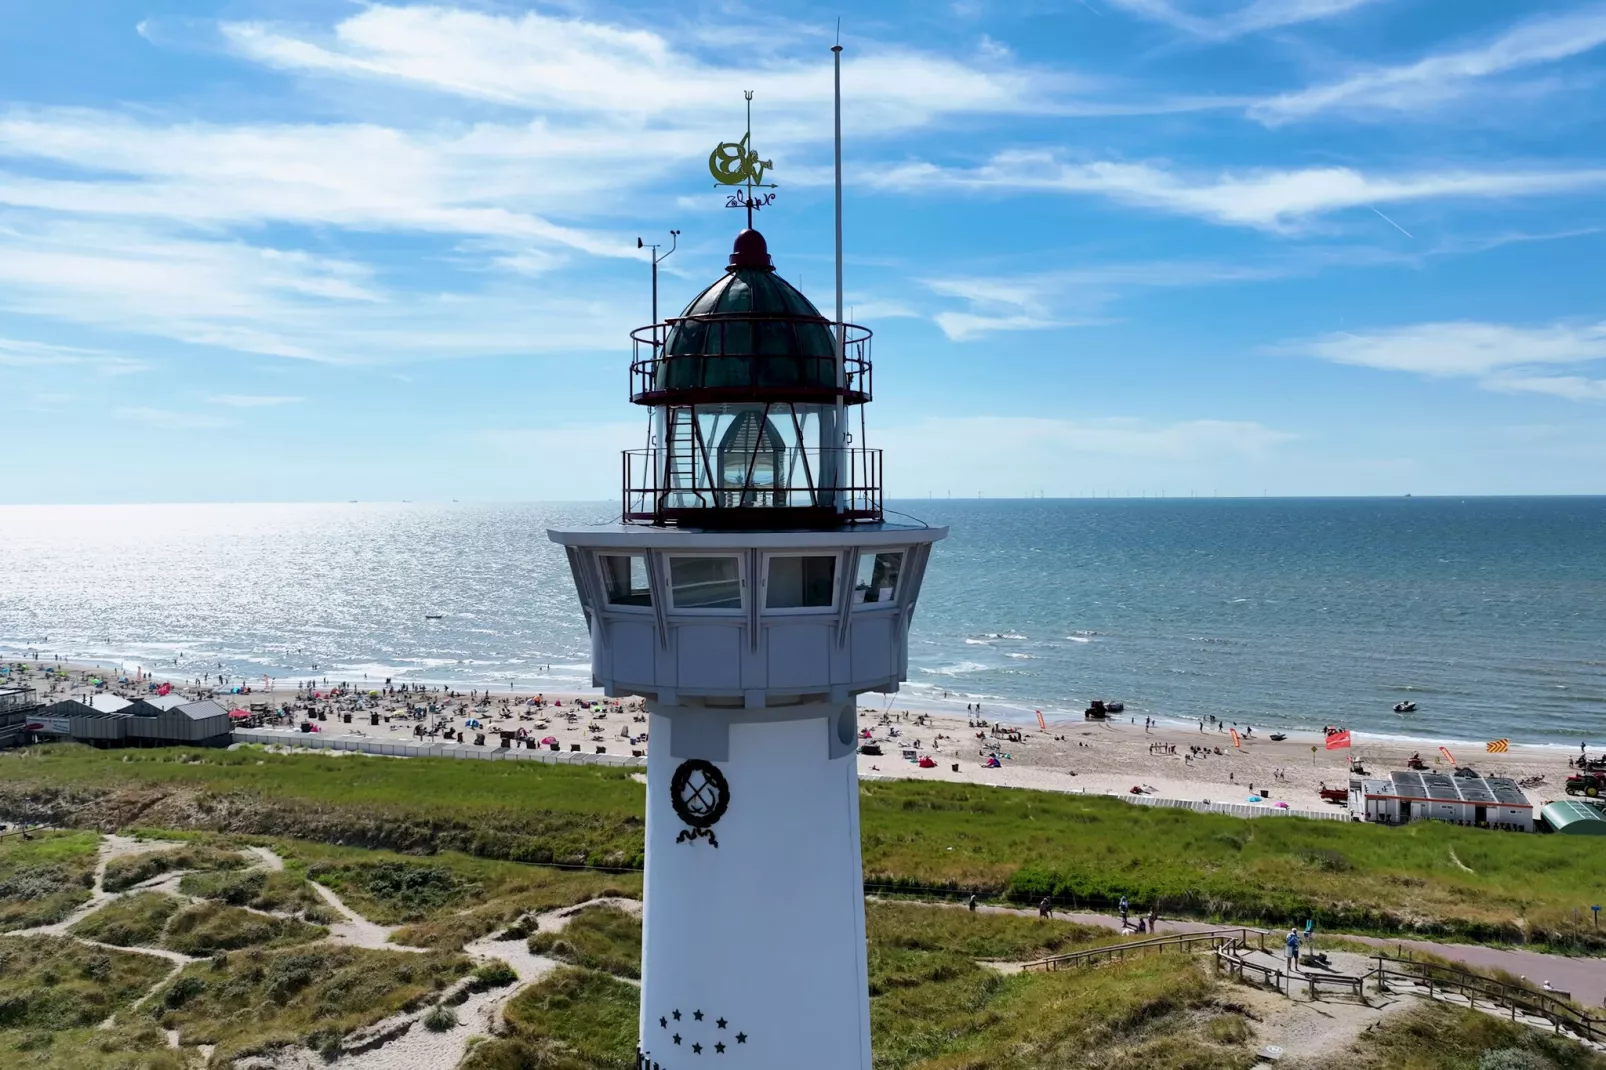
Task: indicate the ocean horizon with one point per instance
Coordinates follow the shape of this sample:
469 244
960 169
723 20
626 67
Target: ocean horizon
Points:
1282 613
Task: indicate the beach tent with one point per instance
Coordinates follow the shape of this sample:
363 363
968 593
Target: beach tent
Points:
239 715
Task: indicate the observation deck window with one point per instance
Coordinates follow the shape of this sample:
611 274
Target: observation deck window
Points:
624 578
806 582
878 577
705 582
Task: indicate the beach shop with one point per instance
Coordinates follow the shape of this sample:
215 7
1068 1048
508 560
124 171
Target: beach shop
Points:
1485 802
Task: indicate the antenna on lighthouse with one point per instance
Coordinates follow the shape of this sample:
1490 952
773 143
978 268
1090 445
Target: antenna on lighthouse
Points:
841 350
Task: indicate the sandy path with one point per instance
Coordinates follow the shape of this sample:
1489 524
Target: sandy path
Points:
356 929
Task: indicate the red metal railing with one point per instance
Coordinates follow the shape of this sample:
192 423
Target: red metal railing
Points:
781 487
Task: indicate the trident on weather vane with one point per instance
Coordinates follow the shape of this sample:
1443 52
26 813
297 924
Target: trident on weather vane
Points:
735 163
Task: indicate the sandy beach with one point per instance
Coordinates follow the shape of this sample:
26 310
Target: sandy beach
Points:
1095 757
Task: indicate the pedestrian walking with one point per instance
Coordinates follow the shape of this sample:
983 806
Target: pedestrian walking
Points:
972 903
1044 908
1292 952
1123 911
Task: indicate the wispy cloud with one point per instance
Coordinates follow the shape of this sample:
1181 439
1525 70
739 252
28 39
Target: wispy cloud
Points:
170 419
1264 198
17 353
1251 18
1443 76
252 401
1500 356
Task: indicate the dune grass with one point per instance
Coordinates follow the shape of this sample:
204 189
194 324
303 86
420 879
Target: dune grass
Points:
1090 851
126 871
1084 850
42 879
284 891
601 938
572 1019
253 1001
136 920
53 982
447 899
136 1046
207 928
1439 1036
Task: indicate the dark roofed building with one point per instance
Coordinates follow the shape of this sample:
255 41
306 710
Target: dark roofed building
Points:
18 707
1410 795
168 719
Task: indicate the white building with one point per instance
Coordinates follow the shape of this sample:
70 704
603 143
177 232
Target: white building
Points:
752 592
1493 802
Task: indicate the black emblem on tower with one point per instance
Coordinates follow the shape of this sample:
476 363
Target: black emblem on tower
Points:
700 795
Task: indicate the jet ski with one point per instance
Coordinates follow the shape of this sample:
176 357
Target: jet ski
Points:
1405 707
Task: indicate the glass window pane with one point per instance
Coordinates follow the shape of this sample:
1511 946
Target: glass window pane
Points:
801 582
625 577
878 577
705 583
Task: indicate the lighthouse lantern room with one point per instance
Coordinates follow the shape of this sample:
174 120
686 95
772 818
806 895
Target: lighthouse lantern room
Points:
750 591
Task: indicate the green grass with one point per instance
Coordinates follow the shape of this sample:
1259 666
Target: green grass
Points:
53 982
137 1046
572 1019
601 938
136 920
207 928
283 891
486 894
253 1001
520 810
1086 851
1092 850
126 871
1438 1036
44 878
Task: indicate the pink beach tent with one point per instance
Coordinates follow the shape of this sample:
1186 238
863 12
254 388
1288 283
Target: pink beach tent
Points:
240 715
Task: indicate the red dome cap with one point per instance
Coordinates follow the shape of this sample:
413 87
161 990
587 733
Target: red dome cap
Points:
751 251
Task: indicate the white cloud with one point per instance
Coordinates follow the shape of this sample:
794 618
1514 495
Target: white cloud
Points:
1444 76
625 74
1251 18
170 419
1502 357
1263 198
18 353
968 326
252 401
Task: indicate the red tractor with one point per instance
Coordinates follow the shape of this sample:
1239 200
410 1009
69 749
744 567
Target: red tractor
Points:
1591 784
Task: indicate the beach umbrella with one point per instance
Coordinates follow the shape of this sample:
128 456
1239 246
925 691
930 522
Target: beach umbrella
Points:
1280 805
547 741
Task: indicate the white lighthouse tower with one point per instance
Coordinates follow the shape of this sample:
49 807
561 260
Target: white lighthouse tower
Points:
751 591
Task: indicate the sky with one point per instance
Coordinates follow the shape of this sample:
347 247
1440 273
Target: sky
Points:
319 250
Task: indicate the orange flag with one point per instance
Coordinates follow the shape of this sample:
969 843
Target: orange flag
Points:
1448 756
1236 742
1338 740
1040 722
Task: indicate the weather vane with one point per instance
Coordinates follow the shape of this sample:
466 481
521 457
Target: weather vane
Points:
735 163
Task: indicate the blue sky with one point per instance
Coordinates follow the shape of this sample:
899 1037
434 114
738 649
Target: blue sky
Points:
310 250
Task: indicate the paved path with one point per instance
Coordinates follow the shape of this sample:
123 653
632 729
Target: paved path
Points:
1581 976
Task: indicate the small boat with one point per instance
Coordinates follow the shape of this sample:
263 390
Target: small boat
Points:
1115 707
1278 737
1405 707
432 616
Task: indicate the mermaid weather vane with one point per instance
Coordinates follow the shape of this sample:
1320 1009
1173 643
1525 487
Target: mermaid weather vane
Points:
735 163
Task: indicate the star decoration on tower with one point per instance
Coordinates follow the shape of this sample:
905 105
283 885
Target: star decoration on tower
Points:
720 1047
677 1016
720 1023
697 1049
663 1023
677 1038
697 1015
741 1038
691 1035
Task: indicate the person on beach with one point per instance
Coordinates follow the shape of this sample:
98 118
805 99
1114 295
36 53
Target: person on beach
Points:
1123 911
972 903
1292 953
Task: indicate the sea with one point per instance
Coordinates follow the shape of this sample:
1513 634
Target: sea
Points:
1488 613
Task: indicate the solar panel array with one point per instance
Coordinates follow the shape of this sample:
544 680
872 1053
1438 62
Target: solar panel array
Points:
1477 790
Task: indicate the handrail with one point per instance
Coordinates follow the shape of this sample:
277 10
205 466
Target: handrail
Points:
1215 937
1548 1005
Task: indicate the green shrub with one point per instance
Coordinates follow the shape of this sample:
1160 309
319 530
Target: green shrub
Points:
439 1019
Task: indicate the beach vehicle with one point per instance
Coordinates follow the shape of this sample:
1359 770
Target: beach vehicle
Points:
1096 711
1335 795
1590 784
871 749
1278 737
1405 707
1415 762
